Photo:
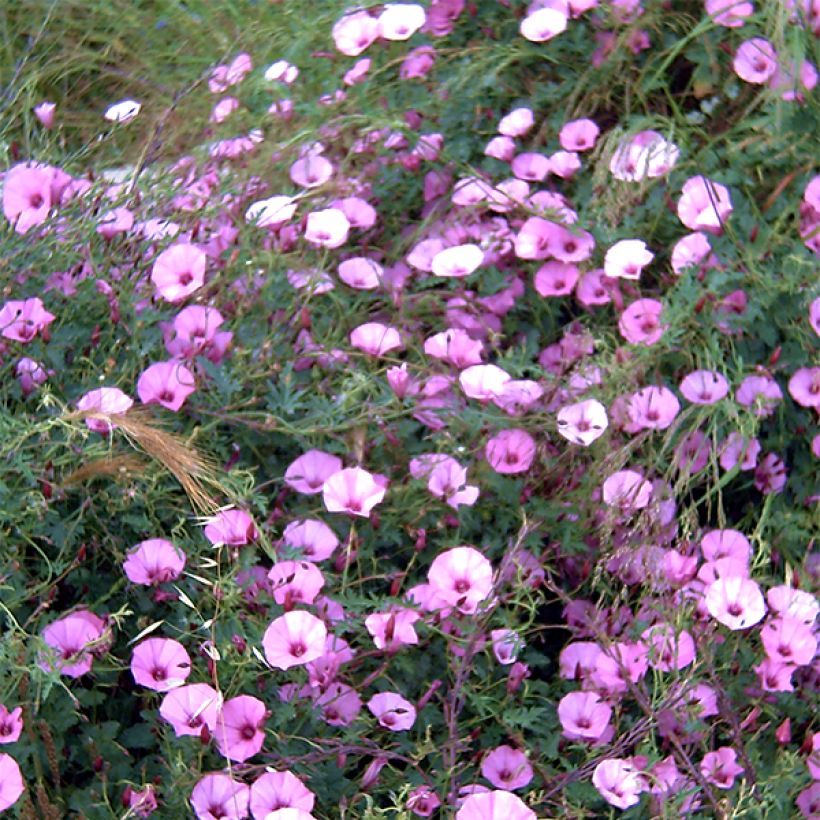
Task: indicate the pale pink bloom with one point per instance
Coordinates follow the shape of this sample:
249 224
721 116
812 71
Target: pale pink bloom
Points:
239 734
361 273
454 346
71 639
340 704
627 258
518 395
400 21
692 452
793 79
516 123
166 383
160 664
462 577
354 32
578 660
417 63
232 527
584 716
295 582
392 711
755 61
375 339
179 271
30 374
153 562
704 387
564 164
717 544
619 664
578 135
618 782
592 288
217 796
391 630
12 784
294 639
483 381
738 449
627 490
543 24
359 212
704 205
458 261
272 212
311 171
502 148
116 221
808 801
729 13
107 400
494 805
188 708
315 539
691 250
720 767
735 602
282 109
359 71
21 321
506 645
668 649
556 279
143 802
328 228
401 382
506 768
761 393
511 451
11 724
44 112
530 166
422 254
123 111
508 194
448 480
804 387
727 567
281 71
422 801
653 408
582 423
789 602
640 323
471 191
789 641
353 491
571 245
223 109
194 332
775 676
273 791
308 473
647 154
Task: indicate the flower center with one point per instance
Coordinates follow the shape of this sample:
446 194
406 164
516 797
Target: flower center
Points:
297 649
248 732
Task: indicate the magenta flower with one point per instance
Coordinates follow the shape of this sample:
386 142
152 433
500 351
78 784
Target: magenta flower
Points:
179 271
793 603
314 538
618 782
530 166
361 273
627 258
295 582
506 768
454 346
107 400
190 707
640 323
738 449
44 112
115 221
584 716
392 711
692 251
755 61
422 801
490 805
11 724
239 733
327 228
804 387
761 393
720 768
166 383
232 527
462 577
153 562
511 451
506 645
22 321
354 32
340 704
704 387
808 801
668 649
619 664
12 785
735 602
582 423
353 491
195 332
30 374
578 660
375 339
789 641
294 639
774 676
142 802
718 544
516 123
502 148
729 13
390 630
279 790
771 474
27 195
578 135
556 279
311 170
219 797
71 638
704 205
160 664
308 473
627 490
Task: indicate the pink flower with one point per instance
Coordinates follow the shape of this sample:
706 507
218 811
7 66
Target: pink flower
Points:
239 734
30 374
578 135
160 664
704 205
417 63
804 387
272 212
720 767
422 801
762 393
653 408
375 339
194 333
584 716
11 724
627 490
774 676
814 315
578 660
618 782
44 112
808 801
506 645
71 639
556 279
294 639
704 387
179 271
516 123
727 543
483 381
315 539
11 782
142 802
729 13
619 664
232 527
736 449
582 423
669 650
501 148
692 251
564 164
219 797
311 171
27 195
354 32
340 704
735 602
358 73
789 641
308 473
188 708
116 221
771 474
458 261
281 71
755 61
393 629
448 480
107 400
543 24
361 273
327 228
400 21
647 154
627 258
506 768
640 323
279 790
392 711
22 321
354 491
511 451
295 581
793 603
123 111
153 562
530 166
166 383
462 577
454 346
494 805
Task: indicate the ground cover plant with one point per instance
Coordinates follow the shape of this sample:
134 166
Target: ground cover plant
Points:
409 410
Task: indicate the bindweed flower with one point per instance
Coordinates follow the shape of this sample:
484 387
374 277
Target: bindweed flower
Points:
789 641
44 112
392 711
511 451
166 383
506 645
735 602
295 582
755 61
107 400
393 629
582 423
704 205
218 796
160 664
704 387
232 527
494 804
640 323
507 768
627 258
313 538
152 562
353 491
71 640
273 791
327 228
190 707
375 339
22 321
179 271
462 577
584 716
720 767
458 261
294 639
11 724
239 733
618 782
627 490
12 784
543 24
142 802
123 111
